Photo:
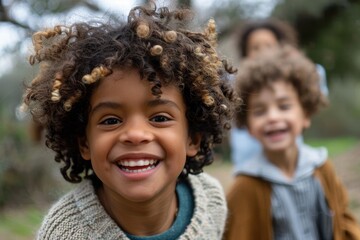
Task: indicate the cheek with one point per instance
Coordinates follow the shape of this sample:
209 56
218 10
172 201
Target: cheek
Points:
102 144
252 53
253 122
172 140
253 127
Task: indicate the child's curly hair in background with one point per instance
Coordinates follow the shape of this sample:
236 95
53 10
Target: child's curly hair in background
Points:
284 64
73 59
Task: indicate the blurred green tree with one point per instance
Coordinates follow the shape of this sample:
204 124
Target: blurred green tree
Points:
329 31
39 8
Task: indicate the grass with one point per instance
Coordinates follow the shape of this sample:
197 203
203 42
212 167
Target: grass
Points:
335 146
16 224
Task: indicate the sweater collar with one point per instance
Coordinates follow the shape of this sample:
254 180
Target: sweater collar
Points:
106 228
309 159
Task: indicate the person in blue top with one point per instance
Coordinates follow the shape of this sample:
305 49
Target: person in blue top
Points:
254 38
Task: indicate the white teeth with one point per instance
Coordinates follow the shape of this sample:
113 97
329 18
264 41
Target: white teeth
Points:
138 163
147 164
138 170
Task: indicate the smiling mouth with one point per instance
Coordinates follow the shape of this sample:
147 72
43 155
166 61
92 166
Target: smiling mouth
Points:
275 132
137 166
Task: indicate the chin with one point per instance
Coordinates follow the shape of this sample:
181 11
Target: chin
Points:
278 148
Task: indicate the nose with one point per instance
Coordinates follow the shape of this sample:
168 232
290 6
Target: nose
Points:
136 132
273 114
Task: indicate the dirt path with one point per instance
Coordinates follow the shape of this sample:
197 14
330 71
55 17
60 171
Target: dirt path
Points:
347 166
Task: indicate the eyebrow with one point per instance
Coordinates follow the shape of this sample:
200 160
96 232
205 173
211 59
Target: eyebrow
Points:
283 98
111 105
159 101
280 99
152 103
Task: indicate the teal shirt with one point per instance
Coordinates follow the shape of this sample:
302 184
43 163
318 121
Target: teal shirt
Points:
185 212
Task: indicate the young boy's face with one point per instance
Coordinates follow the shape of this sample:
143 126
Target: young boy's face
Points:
260 41
137 143
276 116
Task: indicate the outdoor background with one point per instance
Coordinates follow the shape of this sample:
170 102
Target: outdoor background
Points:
329 33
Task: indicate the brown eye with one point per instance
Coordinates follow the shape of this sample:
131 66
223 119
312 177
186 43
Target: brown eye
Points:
110 121
285 106
160 118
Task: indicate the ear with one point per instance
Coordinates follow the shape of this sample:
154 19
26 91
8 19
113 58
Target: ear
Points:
84 148
249 129
193 144
307 122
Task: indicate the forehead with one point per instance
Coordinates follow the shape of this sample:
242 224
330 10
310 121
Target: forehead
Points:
277 90
262 35
125 85
129 78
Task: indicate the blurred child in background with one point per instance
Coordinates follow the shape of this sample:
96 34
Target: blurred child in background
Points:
287 190
254 38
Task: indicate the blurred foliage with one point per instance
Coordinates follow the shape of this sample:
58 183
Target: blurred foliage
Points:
335 146
27 172
341 117
18 170
38 8
292 10
41 7
229 14
329 31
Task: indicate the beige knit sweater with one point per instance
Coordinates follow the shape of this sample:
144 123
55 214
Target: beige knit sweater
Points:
79 214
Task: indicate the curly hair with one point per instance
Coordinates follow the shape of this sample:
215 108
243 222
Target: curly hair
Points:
284 64
74 58
284 33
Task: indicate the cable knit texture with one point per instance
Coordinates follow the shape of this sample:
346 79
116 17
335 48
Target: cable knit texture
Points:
80 215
